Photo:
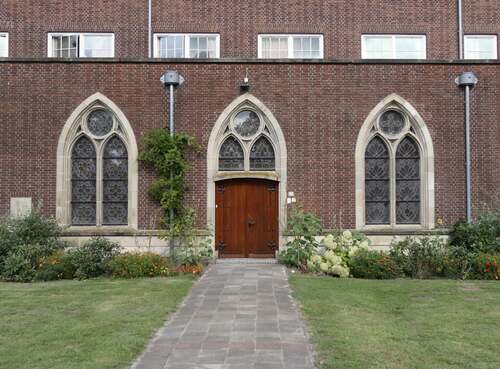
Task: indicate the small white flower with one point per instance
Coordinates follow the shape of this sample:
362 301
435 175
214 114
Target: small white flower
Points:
347 234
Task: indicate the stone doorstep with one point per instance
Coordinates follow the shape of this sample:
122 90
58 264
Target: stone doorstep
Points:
246 261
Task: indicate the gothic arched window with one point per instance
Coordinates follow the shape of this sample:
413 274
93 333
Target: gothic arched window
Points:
231 155
395 168
249 142
262 155
99 190
97 167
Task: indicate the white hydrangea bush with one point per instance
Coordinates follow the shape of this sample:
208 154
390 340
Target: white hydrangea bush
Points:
338 248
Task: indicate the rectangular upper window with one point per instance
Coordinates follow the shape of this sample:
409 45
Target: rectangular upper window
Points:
393 47
81 45
480 47
4 45
290 47
189 45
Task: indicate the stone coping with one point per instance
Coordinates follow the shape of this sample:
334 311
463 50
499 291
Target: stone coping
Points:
47 60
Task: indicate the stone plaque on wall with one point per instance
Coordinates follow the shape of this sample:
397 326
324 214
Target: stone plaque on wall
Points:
20 206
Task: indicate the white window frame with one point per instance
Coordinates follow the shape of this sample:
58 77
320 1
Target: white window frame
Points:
6 34
393 37
494 37
290 37
187 49
81 42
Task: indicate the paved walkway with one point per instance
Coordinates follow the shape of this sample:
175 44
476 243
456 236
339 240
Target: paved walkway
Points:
236 316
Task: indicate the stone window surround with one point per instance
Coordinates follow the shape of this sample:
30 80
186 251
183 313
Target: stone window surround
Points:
423 138
68 137
247 102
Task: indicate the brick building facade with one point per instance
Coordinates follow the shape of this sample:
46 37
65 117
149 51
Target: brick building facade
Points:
320 106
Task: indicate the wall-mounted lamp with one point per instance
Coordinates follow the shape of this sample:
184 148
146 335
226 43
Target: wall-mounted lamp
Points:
245 85
291 198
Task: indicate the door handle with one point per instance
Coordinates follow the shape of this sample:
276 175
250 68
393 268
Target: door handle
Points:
250 222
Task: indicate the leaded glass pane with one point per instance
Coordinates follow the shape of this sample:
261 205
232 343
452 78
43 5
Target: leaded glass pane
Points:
392 122
377 185
100 122
246 123
231 155
262 155
407 182
83 183
83 213
115 213
115 182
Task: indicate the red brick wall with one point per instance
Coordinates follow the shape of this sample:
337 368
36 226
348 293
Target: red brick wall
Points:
29 21
320 108
342 22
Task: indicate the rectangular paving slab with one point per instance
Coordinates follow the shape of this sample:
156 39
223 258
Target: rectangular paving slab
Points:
236 316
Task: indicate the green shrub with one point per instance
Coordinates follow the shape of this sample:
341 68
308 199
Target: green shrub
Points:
486 266
59 265
93 257
303 227
22 261
338 248
138 265
32 229
421 257
374 265
481 236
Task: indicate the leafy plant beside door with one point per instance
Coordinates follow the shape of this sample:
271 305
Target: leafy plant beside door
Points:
168 156
303 227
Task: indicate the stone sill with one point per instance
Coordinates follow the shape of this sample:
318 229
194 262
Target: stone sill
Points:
46 60
394 232
119 232
126 231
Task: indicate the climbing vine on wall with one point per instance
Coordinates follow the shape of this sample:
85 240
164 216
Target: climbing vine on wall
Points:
168 154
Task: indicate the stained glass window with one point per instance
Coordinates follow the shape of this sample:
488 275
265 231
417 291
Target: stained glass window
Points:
231 155
246 123
392 122
377 182
407 182
262 155
100 122
115 182
83 183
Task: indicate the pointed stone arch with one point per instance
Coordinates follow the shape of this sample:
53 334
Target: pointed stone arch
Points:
74 129
415 127
270 129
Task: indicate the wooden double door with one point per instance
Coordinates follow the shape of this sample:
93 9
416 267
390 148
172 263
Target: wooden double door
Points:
246 224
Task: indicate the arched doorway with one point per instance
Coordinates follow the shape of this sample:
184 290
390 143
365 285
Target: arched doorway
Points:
247 166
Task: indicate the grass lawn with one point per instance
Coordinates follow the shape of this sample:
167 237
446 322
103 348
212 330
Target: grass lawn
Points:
95 324
401 324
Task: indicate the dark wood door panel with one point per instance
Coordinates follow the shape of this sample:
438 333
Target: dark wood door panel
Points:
247 218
